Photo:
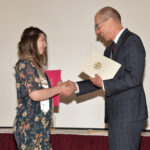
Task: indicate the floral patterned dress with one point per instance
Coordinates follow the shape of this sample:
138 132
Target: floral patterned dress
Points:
31 127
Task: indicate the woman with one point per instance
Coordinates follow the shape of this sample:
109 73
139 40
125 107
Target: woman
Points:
32 124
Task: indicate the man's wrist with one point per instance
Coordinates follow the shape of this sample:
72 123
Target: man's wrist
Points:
77 87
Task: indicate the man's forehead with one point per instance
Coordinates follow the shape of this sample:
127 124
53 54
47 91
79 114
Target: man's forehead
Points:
98 18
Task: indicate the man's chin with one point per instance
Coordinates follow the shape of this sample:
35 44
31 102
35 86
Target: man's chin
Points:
105 38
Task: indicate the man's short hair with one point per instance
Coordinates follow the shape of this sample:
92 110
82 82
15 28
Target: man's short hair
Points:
109 12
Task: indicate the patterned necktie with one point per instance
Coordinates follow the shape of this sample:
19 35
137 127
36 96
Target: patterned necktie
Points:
113 47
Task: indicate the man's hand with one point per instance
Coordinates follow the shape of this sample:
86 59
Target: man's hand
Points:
69 88
97 81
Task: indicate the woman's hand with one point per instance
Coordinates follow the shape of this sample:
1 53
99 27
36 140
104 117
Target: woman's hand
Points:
67 88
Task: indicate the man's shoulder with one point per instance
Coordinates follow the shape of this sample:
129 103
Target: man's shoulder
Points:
133 38
129 38
129 34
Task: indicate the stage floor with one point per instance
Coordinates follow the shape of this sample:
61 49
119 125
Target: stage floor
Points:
72 139
75 131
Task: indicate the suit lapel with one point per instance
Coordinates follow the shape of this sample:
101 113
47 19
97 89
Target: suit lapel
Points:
108 52
122 39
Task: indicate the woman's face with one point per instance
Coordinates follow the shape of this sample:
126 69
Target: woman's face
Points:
41 44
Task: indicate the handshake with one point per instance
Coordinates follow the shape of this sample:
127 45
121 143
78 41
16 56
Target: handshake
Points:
67 88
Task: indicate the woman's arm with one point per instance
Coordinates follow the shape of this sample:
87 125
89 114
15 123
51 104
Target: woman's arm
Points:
46 93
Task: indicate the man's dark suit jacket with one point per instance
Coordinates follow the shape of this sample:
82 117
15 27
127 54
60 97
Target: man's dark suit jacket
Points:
125 100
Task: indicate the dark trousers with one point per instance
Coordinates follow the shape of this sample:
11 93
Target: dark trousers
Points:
125 136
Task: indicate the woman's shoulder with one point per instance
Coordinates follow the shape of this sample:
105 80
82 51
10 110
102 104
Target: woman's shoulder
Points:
22 63
25 61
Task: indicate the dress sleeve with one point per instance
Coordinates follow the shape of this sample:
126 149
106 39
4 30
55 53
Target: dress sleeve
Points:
29 76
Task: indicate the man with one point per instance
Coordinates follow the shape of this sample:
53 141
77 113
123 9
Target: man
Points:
125 103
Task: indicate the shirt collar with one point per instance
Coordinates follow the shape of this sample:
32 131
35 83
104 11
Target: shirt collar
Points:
118 36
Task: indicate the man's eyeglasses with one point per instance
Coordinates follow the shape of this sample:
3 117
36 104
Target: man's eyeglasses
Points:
97 25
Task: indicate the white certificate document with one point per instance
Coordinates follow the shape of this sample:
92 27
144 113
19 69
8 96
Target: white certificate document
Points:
101 65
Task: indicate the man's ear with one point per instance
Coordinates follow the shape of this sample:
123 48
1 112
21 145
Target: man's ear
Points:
110 20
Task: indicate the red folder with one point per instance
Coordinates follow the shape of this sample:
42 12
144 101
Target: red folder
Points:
54 77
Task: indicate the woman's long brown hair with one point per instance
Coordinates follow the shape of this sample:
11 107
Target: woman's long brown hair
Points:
27 47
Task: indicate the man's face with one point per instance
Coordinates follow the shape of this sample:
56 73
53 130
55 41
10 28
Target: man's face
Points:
103 27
